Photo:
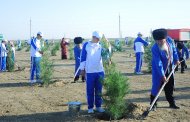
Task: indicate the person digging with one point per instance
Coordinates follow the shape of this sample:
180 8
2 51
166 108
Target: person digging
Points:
164 57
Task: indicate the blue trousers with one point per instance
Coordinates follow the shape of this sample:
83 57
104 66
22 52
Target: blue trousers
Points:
139 60
94 89
3 63
35 68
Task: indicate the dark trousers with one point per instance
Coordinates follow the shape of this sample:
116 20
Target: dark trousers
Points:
183 65
63 57
168 89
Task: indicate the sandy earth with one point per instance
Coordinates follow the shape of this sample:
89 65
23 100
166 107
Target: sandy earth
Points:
21 102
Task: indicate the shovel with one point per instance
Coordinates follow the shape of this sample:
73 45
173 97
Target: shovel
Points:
145 114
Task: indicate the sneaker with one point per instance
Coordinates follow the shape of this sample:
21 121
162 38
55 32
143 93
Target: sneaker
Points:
100 110
32 81
90 111
139 73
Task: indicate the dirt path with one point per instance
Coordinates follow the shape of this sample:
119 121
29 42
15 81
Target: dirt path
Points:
21 102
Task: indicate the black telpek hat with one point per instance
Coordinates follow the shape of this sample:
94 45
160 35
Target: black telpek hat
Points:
78 40
159 34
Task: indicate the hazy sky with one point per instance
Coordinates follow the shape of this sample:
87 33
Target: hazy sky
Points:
56 18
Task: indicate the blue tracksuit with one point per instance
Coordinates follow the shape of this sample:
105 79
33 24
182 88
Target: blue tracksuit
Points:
3 57
139 44
184 52
77 52
91 61
160 64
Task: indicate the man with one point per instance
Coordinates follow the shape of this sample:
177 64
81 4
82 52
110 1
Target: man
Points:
3 55
77 52
126 40
183 54
36 54
19 44
164 56
64 49
139 44
92 66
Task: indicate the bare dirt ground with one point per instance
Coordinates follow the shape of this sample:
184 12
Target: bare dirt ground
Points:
21 102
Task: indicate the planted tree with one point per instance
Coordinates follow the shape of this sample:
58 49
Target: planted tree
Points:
10 58
130 43
46 67
55 49
188 45
148 55
115 85
27 48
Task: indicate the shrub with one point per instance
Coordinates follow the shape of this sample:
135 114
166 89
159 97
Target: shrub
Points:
10 59
27 48
55 49
148 55
115 85
116 88
188 45
46 67
130 43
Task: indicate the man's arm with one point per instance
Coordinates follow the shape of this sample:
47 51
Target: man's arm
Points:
186 52
145 43
83 57
157 61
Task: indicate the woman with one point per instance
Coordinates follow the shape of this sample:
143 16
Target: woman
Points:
64 49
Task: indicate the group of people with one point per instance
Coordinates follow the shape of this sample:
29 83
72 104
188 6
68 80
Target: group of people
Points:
4 50
89 64
165 54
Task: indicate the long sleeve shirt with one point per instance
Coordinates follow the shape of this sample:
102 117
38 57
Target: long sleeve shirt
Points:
91 59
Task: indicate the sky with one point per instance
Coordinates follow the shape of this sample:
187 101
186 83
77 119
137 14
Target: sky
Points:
71 18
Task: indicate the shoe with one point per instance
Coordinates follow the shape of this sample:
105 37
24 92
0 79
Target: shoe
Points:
100 110
155 104
32 81
139 73
174 106
90 111
83 79
182 72
154 108
76 78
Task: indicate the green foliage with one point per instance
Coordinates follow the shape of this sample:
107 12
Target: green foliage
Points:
27 48
71 51
117 47
106 50
21 47
115 85
116 88
46 67
55 48
188 44
148 55
130 43
10 59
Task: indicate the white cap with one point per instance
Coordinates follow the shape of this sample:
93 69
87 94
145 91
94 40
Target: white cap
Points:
40 33
97 34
